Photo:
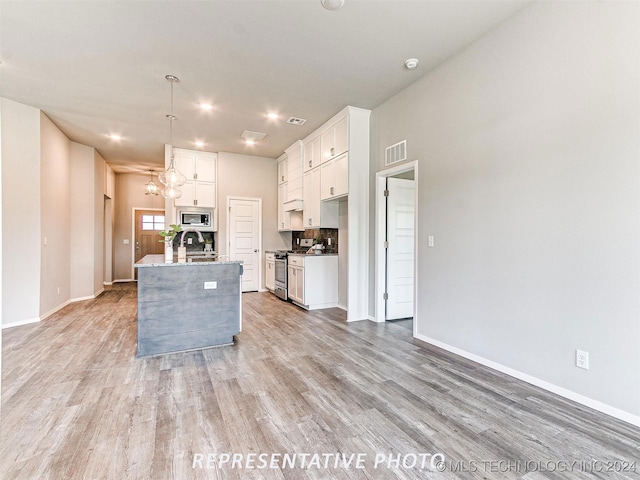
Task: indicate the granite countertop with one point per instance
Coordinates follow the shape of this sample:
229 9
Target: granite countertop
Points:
158 261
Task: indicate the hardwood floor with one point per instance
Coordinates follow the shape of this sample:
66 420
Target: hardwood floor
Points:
77 404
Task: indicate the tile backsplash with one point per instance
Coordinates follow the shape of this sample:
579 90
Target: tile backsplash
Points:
195 245
322 234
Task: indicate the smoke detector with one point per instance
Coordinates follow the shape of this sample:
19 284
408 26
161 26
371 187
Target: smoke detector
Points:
411 63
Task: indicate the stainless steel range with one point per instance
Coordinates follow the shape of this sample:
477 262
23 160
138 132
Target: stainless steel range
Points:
280 284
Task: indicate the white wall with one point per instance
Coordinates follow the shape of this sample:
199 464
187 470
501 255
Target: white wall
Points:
20 142
529 174
55 203
99 171
81 223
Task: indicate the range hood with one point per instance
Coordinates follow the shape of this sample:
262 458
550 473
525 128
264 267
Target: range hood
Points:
293 205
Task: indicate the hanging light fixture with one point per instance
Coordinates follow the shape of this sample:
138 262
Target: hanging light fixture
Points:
171 177
150 187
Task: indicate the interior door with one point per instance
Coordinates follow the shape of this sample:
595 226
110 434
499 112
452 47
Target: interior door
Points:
244 240
400 239
149 223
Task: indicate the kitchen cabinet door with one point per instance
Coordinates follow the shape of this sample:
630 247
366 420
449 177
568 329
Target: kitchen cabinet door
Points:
206 194
311 191
295 284
334 178
341 136
270 275
312 157
188 198
205 168
282 169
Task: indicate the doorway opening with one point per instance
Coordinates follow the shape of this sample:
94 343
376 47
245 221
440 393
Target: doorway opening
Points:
147 225
396 244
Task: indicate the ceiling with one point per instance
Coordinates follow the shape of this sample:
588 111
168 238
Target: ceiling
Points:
97 68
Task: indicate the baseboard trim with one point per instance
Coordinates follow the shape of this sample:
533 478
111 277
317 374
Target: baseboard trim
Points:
20 323
550 387
107 283
51 312
88 297
123 280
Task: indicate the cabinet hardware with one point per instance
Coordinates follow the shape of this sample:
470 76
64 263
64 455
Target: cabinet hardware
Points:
331 191
333 151
309 162
195 176
283 178
309 221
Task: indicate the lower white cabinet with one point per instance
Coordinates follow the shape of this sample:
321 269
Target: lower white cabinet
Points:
270 272
313 281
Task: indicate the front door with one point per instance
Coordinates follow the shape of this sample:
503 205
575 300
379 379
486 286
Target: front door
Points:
244 239
149 224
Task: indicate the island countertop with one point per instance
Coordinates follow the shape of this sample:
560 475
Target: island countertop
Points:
157 260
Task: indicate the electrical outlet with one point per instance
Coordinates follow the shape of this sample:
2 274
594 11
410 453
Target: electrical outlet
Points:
582 359
189 241
430 240
210 285
58 290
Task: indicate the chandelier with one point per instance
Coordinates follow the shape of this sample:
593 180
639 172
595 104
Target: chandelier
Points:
171 177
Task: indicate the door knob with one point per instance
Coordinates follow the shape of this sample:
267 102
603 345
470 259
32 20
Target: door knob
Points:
255 250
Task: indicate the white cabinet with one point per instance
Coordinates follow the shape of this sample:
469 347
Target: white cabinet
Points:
312 157
270 272
334 178
335 139
313 280
200 170
295 283
282 169
294 172
317 214
287 221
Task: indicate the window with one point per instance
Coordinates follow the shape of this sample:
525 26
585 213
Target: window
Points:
152 222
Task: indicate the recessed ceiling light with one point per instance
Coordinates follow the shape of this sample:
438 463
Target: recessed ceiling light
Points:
115 136
411 63
205 106
199 143
272 115
332 4
248 141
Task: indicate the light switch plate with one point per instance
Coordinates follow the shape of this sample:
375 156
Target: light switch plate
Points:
210 285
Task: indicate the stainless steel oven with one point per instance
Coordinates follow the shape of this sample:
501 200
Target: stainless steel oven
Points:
280 284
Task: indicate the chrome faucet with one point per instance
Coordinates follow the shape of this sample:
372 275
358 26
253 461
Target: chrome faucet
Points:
184 232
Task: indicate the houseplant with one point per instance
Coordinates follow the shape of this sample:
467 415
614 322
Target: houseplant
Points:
167 238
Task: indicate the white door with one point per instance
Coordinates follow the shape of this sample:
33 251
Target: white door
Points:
400 238
244 240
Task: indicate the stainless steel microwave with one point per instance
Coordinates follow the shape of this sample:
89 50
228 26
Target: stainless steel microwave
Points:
196 219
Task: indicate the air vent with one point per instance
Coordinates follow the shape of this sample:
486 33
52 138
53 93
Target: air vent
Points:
296 121
395 153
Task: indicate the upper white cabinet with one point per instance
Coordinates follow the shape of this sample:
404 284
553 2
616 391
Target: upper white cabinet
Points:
335 139
334 178
317 214
282 169
200 170
312 153
294 175
287 220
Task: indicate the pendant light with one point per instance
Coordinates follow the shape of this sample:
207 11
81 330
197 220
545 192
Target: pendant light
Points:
150 187
171 177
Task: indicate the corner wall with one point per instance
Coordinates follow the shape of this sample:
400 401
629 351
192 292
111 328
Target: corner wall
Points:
529 176
55 198
20 142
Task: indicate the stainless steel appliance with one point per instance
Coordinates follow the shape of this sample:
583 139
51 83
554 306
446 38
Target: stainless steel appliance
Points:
198 219
280 283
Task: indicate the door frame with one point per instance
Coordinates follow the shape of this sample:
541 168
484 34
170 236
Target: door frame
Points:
381 227
133 234
261 287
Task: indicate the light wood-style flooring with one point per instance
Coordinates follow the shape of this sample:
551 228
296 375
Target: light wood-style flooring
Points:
77 404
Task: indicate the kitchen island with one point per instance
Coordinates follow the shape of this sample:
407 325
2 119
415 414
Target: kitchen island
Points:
187 305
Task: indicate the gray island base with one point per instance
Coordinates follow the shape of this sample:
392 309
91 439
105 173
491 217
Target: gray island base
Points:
187 306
